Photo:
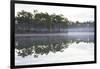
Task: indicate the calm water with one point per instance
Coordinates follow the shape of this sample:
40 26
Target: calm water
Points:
63 47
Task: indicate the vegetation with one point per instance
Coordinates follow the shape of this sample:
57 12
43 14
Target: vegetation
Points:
38 22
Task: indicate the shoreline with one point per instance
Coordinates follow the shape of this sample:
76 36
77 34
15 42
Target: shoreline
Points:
56 34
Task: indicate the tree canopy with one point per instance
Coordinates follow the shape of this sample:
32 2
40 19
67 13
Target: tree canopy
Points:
42 21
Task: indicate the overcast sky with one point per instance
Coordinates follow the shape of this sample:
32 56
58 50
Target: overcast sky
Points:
72 13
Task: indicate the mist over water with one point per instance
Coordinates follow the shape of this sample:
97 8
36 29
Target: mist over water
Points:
67 47
43 36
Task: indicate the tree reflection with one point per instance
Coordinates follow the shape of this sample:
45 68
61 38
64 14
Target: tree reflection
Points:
39 49
36 46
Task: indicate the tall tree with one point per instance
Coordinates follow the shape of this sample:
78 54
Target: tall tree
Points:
24 16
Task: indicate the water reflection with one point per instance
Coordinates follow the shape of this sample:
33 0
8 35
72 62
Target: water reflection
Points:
40 45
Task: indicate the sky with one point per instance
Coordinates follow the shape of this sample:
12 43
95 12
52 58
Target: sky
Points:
72 13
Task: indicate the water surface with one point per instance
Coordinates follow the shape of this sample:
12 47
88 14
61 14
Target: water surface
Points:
54 48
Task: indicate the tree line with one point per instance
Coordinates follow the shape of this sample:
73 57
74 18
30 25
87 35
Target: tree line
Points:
40 22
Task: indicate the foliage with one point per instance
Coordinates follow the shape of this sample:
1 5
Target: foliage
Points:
40 20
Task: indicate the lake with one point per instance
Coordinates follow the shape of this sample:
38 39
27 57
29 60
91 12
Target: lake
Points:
31 49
